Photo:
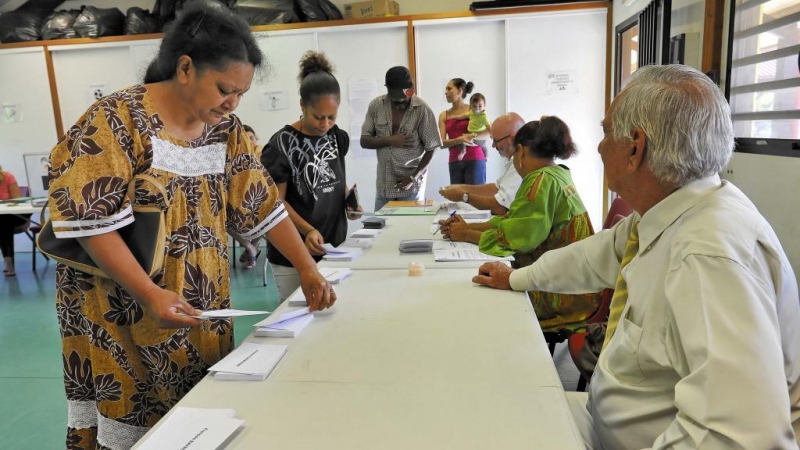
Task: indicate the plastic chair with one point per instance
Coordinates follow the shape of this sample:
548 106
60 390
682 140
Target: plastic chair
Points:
618 211
31 229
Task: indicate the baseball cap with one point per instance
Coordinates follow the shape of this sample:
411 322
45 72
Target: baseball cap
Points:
398 77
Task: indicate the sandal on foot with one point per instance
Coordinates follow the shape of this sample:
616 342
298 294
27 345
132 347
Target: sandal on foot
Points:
251 261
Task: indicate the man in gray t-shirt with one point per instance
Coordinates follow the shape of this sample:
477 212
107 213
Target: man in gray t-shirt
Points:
403 130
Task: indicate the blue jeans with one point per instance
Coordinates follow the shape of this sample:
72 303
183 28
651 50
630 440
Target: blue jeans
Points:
380 202
468 172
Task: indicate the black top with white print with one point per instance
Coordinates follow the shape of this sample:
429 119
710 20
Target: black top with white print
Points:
313 168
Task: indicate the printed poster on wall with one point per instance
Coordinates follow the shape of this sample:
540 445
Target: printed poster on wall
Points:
361 92
561 82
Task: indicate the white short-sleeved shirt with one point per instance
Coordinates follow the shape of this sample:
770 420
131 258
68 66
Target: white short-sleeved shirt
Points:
707 350
507 185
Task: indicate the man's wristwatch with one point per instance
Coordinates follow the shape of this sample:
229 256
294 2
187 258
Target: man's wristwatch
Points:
465 197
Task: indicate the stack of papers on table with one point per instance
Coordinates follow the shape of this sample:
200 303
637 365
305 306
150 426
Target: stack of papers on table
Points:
193 428
358 243
341 253
406 211
407 203
335 276
450 245
289 324
365 233
452 206
249 362
466 214
226 313
415 245
462 254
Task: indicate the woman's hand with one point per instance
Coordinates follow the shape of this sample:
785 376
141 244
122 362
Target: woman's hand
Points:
466 138
317 290
444 225
169 309
314 241
495 275
351 215
457 231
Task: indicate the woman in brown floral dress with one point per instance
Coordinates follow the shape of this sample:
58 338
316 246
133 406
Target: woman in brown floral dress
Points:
129 351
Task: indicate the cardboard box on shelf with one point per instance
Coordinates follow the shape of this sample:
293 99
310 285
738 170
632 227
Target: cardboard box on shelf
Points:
374 8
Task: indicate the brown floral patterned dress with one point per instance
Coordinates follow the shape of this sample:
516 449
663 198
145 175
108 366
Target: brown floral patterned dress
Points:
121 372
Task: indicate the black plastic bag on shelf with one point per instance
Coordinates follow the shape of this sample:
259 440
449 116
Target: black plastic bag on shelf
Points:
59 25
140 21
22 26
165 10
266 12
318 10
96 22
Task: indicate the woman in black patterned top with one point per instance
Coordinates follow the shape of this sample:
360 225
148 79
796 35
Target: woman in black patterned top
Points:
306 160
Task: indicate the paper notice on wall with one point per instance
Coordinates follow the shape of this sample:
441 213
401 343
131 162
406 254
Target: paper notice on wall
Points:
361 92
95 92
272 100
561 82
12 112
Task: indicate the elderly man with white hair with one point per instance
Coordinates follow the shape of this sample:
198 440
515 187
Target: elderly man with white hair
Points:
703 343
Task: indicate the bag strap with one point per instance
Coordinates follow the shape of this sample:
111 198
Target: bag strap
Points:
154 182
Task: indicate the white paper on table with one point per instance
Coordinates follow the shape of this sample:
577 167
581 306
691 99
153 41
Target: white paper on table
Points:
225 313
193 428
450 255
468 216
450 245
367 233
285 316
340 249
250 358
297 299
349 255
335 276
357 243
295 324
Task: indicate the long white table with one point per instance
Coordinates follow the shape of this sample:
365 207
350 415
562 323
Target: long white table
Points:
384 253
19 208
406 362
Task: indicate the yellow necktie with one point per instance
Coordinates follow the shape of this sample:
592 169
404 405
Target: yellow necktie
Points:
621 290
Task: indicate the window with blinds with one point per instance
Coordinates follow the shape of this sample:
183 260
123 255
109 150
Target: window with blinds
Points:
765 69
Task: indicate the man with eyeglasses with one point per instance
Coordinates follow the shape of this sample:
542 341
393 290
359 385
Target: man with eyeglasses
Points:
496 196
403 130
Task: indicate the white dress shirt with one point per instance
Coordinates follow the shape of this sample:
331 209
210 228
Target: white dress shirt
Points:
507 185
707 352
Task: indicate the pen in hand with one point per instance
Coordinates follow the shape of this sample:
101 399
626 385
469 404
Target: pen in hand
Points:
452 214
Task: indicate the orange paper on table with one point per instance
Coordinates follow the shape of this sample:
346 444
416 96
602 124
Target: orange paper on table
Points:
404 203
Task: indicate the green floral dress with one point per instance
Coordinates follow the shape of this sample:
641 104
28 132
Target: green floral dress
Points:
546 214
121 372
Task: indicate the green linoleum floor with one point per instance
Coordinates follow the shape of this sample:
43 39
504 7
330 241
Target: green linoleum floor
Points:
33 409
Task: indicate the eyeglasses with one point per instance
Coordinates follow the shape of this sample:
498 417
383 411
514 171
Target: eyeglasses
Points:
497 141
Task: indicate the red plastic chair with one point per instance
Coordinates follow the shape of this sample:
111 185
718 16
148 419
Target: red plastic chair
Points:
619 210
